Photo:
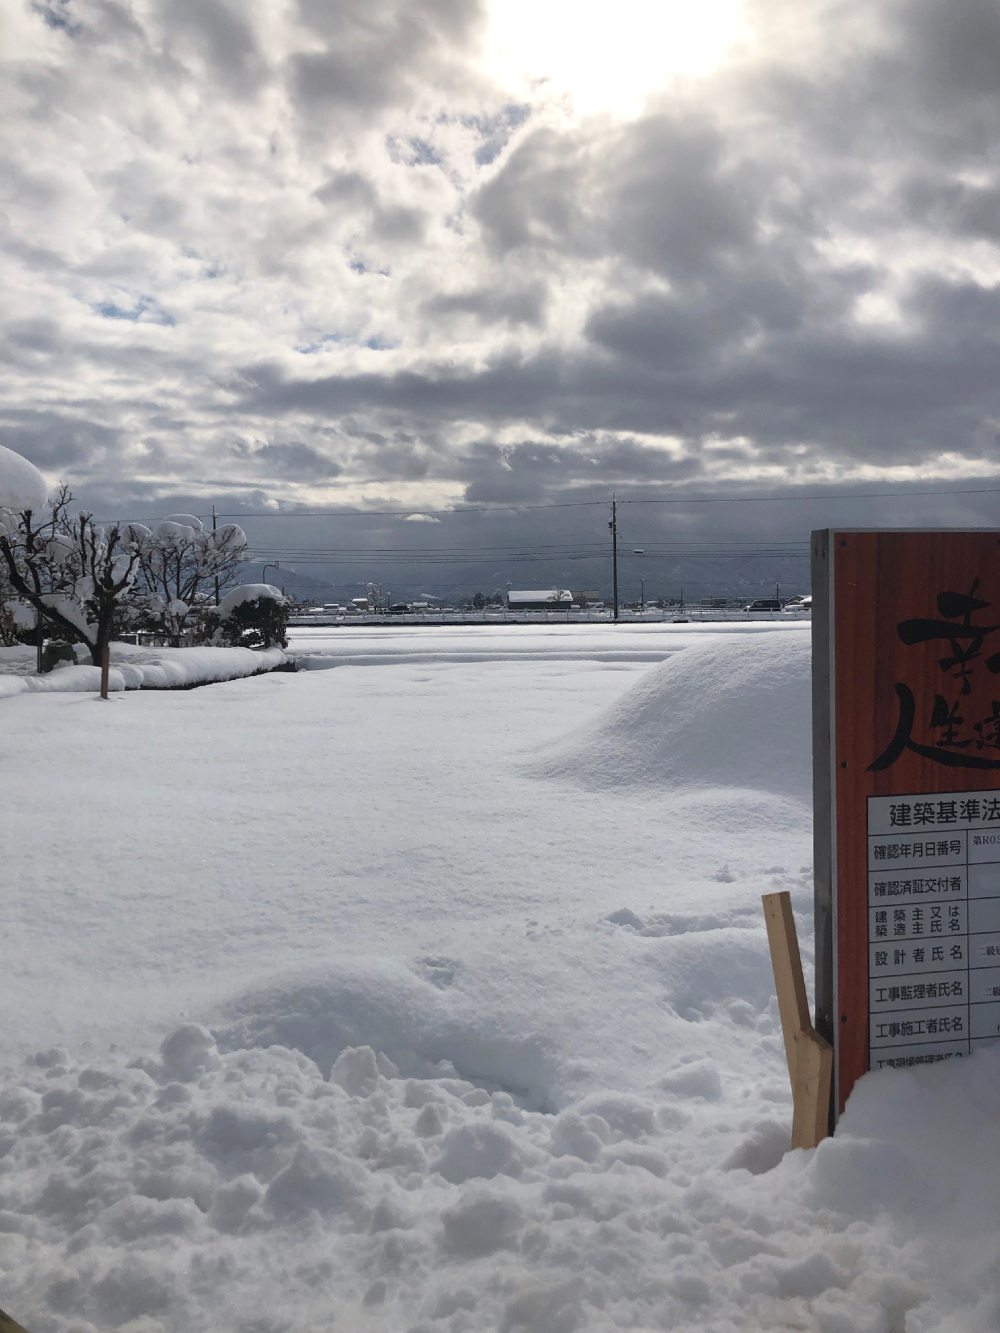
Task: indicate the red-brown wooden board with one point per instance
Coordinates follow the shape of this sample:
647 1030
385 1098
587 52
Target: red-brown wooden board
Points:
906 703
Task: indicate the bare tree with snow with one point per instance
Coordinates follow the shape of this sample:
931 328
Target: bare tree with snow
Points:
8 621
182 563
73 571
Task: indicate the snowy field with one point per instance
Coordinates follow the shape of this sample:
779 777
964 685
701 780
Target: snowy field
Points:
429 993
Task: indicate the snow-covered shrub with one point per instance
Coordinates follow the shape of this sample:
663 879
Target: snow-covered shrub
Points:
252 615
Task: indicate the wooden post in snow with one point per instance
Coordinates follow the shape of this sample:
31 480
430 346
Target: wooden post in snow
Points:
809 1056
105 668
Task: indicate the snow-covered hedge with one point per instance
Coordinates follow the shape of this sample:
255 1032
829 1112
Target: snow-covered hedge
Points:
249 592
175 669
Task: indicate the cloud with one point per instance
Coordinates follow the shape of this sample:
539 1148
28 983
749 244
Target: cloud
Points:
310 251
373 53
294 461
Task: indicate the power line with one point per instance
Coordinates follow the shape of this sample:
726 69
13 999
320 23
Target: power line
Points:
538 548
584 504
849 495
590 504
411 559
405 513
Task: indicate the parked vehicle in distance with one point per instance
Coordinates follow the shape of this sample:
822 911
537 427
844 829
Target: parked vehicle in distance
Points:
763 604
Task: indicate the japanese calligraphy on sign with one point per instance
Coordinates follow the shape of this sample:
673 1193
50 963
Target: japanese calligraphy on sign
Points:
952 738
906 652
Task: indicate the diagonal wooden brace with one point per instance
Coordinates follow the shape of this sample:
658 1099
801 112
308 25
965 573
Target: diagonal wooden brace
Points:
8 1325
809 1056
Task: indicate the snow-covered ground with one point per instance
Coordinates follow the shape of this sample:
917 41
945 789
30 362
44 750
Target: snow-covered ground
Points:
431 993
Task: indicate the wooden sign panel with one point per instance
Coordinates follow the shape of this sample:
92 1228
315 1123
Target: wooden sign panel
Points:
906 756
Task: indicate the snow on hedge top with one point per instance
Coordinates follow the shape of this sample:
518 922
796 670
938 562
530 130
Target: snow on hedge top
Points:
22 486
185 521
173 532
249 592
706 717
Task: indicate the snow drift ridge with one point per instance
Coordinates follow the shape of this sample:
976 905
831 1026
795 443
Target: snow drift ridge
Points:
708 716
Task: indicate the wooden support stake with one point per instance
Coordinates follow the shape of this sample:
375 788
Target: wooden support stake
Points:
809 1056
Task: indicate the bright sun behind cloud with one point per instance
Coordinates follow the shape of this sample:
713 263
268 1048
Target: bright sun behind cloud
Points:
610 56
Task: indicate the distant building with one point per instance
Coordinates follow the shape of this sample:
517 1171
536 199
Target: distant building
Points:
545 599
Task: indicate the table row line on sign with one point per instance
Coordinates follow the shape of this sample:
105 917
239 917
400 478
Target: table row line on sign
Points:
921 956
930 1053
941 988
893 960
909 921
941 882
923 812
902 1026
974 881
917 850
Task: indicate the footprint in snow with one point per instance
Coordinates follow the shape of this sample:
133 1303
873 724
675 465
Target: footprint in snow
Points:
623 917
441 972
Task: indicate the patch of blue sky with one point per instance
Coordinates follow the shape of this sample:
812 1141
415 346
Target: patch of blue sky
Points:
321 344
359 266
413 151
146 311
495 131
57 14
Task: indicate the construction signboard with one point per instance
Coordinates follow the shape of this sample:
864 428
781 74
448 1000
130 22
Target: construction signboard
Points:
906 754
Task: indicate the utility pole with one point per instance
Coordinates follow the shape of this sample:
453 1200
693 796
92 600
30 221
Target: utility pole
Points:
216 577
613 525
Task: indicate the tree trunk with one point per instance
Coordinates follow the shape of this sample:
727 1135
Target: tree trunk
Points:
100 652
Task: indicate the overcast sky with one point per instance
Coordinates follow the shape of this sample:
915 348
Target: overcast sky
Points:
412 254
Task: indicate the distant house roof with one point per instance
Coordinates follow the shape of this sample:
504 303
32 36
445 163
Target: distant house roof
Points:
550 596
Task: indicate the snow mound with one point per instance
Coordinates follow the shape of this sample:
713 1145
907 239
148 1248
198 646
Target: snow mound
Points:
64 680
178 668
735 713
22 486
384 1004
207 1190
